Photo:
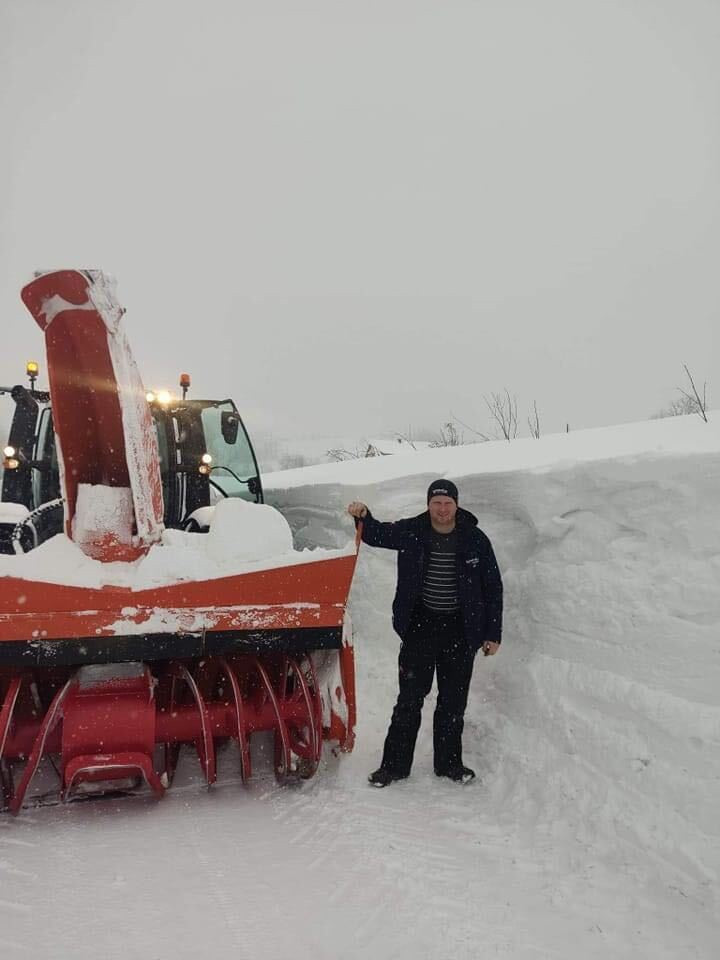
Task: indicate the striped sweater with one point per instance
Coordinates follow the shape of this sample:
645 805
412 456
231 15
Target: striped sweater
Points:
440 586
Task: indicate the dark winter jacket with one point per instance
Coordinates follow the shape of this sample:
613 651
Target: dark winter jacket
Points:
480 590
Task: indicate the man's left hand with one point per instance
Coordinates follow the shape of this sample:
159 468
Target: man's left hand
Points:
490 649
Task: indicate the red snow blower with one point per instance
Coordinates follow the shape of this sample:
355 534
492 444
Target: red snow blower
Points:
102 685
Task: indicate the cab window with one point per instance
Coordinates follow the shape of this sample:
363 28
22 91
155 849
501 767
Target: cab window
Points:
234 469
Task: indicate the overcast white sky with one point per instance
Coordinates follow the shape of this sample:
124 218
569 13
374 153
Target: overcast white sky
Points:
357 216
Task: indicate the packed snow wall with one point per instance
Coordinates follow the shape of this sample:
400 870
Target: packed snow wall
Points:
599 720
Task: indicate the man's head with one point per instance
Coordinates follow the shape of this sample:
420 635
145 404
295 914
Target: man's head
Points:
442 488
442 497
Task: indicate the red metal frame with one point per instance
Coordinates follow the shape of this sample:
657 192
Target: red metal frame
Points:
303 595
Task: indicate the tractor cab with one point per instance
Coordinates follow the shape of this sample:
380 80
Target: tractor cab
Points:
204 450
205 455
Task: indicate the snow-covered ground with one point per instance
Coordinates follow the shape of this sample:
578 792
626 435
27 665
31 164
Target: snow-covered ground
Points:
592 830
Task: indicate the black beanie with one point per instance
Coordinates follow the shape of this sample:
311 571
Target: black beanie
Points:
442 488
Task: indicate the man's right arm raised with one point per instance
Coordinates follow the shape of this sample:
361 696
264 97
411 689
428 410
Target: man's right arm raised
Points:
392 536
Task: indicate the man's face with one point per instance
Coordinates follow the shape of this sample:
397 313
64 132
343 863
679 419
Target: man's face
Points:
442 512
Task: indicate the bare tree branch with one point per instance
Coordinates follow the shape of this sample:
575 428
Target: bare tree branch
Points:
534 422
679 407
449 436
700 405
503 410
483 436
340 453
406 437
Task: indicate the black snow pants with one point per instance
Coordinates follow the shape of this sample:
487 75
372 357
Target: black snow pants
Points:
432 643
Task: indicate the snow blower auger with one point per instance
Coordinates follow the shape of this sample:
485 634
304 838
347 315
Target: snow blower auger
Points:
103 677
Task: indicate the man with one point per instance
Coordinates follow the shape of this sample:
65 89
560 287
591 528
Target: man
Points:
448 605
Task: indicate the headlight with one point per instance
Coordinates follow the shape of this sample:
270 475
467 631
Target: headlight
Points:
9 452
206 458
164 397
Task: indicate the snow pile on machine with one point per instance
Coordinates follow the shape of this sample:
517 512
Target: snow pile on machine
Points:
242 538
120 641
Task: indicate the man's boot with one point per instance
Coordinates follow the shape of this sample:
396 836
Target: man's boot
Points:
383 776
458 774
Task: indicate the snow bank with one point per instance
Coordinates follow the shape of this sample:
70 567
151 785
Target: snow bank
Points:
672 436
596 730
